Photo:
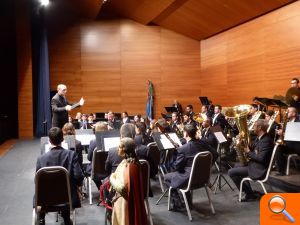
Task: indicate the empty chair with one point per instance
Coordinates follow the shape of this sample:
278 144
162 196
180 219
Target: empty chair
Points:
289 158
145 167
262 181
98 168
52 192
199 177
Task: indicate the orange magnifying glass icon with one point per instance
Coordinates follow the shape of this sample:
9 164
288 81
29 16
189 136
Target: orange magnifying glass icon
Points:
277 205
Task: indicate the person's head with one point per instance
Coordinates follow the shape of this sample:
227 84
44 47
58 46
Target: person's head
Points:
174 116
68 129
186 117
55 136
163 124
137 118
62 89
260 127
127 148
295 82
127 130
207 123
204 109
189 131
70 119
101 126
292 113
124 114
253 109
83 117
78 116
91 117
189 108
269 114
140 128
217 109
110 116
175 102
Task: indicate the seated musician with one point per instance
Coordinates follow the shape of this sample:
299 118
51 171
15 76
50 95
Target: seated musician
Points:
293 94
259 153
68 159
140 134
207 135
273 125
83 124
68 129
125 118
112 122
175 123
189 109
219 119
91 119
113 159
188 119
99 127
128 203
184 160
289 147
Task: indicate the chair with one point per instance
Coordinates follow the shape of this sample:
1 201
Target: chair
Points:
43 142
146 182
154 155
291 156
52 191
202 162
262 181
98 167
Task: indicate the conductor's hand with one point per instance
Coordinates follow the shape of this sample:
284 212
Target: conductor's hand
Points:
81 102
68 107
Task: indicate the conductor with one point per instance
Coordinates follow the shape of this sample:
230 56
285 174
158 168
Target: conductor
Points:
60 106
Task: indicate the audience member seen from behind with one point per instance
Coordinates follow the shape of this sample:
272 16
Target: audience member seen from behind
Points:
68 159
128 203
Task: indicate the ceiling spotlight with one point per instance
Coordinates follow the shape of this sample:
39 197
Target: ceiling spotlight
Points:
44 2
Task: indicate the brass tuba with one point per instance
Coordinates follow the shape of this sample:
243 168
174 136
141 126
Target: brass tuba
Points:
239 113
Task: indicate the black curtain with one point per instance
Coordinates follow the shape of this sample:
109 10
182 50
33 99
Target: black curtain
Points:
40 69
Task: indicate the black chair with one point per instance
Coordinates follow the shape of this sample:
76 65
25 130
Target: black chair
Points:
98 167
52 192
199 178
145 167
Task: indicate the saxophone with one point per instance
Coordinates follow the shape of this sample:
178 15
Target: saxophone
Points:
239 113
272 120
253 119
280 140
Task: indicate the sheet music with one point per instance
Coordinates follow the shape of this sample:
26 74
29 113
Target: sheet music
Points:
220 137
165 142
63 144
292 131
111 143
175 138
85 139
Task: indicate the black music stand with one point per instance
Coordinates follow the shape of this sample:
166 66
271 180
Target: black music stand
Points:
217 131
204 100
171 109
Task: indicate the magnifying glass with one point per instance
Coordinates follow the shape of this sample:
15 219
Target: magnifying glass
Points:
277 205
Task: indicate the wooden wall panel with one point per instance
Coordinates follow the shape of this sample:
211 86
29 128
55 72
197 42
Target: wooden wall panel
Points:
109 63
257 58
25 109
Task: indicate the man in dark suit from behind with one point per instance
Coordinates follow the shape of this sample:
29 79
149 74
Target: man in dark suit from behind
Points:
259 154
60 106
184 160
68 159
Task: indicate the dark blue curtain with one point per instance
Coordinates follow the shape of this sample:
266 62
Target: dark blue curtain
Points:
41 82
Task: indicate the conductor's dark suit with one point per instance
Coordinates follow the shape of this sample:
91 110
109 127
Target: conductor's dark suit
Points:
68 159
260 155
59 112
184 161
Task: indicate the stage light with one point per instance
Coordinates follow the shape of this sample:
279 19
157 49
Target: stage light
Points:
44 2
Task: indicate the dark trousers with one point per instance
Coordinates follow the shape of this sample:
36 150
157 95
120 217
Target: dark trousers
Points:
281 158
237 174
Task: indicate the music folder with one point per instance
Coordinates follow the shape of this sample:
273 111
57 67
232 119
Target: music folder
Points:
292 131
108 139
164 143
171 109
204 100
217 131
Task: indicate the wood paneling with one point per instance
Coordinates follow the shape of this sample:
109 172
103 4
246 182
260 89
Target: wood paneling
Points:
24 69
109 63
257 58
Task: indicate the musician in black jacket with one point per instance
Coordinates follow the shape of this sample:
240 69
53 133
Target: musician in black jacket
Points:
259 153
219 119
60 106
